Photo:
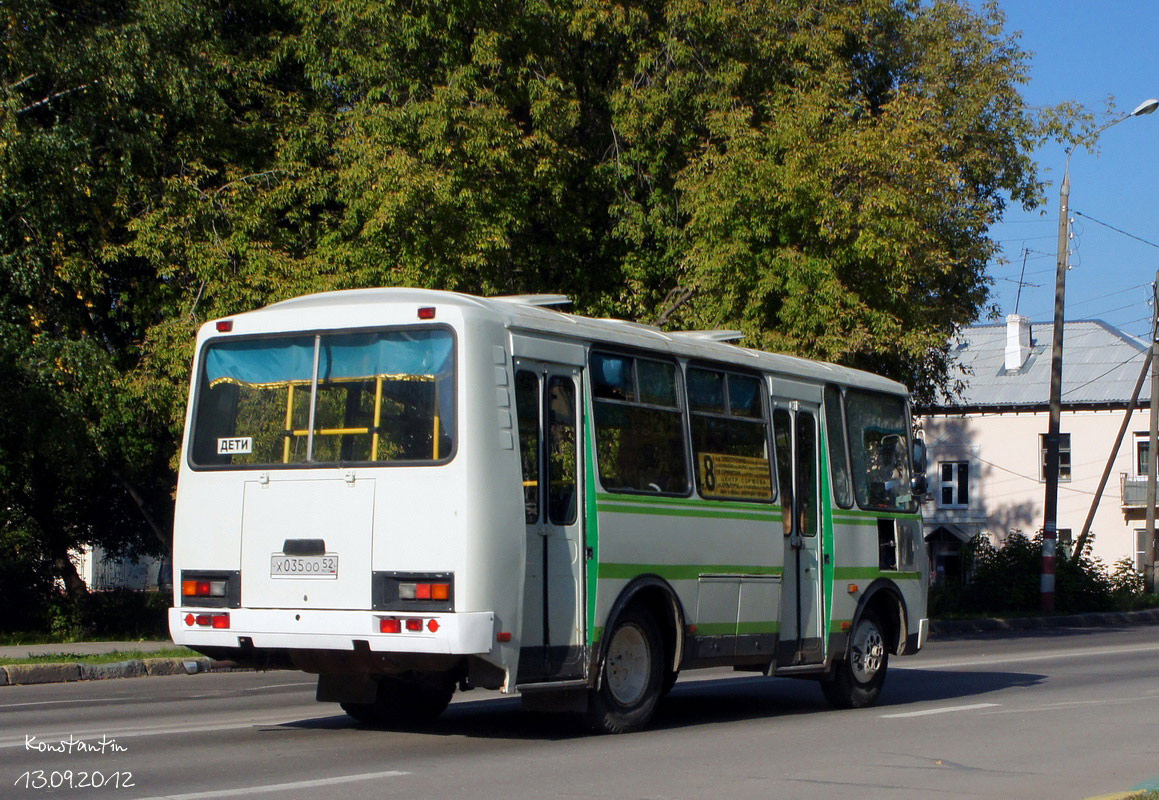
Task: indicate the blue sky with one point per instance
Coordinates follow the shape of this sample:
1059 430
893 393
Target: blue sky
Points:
1085 51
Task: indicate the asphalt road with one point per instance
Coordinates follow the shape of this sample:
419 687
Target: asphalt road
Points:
1054 714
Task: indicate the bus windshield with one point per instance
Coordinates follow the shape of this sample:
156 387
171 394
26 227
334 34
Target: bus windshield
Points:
879 448
326 398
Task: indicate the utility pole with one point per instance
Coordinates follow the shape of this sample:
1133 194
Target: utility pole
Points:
1050 501
1152 461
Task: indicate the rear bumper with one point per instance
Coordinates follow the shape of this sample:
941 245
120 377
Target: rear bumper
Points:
454 634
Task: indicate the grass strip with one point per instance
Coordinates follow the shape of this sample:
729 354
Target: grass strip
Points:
101 658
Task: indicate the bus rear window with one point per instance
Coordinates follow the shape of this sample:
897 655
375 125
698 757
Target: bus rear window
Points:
328 398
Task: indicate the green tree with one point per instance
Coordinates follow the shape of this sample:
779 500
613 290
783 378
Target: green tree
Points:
820 174
109 112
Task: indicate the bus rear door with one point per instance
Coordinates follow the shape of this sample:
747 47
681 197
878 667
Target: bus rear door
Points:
547 404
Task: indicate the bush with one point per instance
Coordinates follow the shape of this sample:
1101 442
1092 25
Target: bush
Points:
25 585
112 614
1007 580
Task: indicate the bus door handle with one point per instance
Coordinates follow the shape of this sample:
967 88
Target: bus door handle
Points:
796 541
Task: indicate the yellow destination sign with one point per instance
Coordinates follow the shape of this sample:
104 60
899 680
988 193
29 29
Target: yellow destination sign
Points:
726 476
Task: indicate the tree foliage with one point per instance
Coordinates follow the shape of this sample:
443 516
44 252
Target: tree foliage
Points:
821 175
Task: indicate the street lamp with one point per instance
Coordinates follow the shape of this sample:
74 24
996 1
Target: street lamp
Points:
1050 504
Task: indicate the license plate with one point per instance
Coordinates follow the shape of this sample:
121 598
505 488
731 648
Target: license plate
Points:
323 567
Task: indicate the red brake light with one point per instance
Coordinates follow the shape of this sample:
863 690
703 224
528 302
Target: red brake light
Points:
414 624
221 620
427 312
224 325
389 626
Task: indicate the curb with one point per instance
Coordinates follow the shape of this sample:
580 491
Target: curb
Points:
950 627
25 674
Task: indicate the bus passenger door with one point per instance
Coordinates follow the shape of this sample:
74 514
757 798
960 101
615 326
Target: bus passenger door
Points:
796 440
547 405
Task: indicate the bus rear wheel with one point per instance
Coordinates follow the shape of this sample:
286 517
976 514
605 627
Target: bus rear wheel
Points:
631 677
406 701
857 679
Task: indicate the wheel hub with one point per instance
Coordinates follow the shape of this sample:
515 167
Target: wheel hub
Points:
628 665
867 651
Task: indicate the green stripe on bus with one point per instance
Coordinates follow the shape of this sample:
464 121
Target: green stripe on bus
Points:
836 626
847 573
749 628
698 513
682 572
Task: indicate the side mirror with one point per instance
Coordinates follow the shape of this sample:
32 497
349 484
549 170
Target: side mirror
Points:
920 464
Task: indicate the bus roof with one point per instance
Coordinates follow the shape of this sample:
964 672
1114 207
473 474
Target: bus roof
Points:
534 314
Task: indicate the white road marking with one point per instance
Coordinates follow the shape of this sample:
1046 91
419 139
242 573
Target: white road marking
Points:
1053 655
280 717
281 787
78 701
944 710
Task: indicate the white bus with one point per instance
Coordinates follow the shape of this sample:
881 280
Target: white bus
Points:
407 491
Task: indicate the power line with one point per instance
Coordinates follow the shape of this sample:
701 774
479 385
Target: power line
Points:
1116 230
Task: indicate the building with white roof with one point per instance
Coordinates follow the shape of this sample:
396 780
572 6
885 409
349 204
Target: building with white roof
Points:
987 449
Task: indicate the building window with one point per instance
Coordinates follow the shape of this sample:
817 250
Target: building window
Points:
1140 549
955 484
1142 448
1063 457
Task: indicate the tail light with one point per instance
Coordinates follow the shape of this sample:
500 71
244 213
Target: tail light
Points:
203 588
424 591
417 593
219 621
407 624
215 589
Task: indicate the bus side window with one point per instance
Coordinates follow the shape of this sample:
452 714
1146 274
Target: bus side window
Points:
783 442
729 435
638 424
527 410
838 452
561 451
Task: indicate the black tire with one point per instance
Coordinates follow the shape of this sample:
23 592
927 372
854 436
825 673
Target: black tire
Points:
408 701
857 679
669 681
631 676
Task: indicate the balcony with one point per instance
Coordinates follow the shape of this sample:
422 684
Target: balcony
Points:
1134 491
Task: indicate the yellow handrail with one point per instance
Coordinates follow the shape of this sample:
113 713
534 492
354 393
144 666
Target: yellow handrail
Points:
289 422
377 418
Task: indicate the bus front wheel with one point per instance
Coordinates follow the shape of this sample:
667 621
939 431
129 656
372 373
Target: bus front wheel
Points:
632 676
407 700
857 679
